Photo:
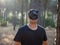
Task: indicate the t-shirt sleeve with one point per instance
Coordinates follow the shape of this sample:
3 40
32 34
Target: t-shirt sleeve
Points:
45 36
18 36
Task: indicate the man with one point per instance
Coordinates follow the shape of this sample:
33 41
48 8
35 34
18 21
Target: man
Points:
32 33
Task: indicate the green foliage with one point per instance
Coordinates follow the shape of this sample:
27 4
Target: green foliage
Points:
10 19
49 22
1 17
18 22
3 22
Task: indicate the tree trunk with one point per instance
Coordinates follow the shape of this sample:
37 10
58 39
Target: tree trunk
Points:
58 25
26 9
22 18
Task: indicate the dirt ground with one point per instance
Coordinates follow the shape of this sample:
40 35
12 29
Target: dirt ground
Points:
7 34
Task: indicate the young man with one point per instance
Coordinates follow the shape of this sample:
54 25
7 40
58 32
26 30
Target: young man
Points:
32 33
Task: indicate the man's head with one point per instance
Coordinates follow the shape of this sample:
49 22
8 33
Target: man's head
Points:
33 15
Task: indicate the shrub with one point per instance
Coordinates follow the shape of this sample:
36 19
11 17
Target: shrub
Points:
3 22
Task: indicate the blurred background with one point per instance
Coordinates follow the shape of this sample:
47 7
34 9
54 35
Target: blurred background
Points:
13 14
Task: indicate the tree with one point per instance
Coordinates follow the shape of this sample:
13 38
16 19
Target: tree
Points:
22 7
58 25
26 9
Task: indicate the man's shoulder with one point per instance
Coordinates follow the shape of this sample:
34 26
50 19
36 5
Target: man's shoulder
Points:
41 28
22 27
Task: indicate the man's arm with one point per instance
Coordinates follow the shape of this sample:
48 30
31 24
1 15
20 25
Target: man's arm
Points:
17 43
18 37
45 42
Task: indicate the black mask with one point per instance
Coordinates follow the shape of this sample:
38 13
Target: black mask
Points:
33 17
33 14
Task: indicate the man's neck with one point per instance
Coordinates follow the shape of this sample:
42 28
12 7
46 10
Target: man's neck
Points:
32 26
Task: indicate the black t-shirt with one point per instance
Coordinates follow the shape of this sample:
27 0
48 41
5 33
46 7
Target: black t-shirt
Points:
30 37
